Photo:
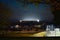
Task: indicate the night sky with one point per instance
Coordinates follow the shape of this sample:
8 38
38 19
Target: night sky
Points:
29 12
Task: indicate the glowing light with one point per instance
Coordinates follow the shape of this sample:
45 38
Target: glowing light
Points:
40 34
37 20
29 20
16 26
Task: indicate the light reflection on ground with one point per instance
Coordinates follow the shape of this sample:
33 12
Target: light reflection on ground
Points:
18 34
40 34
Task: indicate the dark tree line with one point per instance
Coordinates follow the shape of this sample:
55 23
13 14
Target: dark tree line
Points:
55 6
5 13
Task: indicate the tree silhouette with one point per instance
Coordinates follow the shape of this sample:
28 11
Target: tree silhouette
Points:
5 13
55 10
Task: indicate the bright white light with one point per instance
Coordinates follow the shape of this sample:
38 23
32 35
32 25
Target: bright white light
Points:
37 20
30 20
